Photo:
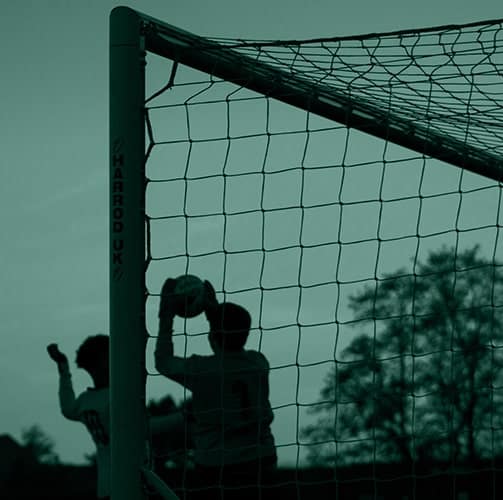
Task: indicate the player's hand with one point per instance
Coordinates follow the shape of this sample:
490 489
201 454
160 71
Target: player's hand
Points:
211 301
167 292
55 354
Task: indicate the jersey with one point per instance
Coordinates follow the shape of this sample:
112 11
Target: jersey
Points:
92 408
230 397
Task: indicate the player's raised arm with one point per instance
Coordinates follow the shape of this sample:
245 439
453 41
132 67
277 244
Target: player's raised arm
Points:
57 356
66 392
165 361
166 317
185 296
211 302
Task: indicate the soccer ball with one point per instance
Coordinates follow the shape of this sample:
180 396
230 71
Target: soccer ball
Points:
189 296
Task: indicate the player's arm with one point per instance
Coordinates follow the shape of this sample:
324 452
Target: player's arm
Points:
211 303
166 362
67 402
173 423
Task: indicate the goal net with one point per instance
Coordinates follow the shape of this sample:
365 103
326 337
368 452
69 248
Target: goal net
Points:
347 192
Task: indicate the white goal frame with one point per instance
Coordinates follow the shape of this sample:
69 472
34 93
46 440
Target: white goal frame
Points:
132 35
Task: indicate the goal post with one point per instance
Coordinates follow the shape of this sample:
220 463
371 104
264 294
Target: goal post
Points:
127 254
167 151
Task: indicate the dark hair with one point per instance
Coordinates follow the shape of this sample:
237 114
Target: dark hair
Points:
93 348
230 325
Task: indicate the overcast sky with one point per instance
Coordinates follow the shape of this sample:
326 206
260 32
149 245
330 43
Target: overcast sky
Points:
54 177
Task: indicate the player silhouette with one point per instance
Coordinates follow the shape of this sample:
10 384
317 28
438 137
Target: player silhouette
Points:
92 407
234 447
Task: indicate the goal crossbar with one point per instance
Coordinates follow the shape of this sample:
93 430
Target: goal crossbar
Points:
316 97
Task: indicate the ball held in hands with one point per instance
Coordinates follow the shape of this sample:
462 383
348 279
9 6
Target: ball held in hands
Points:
189 296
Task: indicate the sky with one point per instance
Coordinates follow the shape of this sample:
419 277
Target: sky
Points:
54 186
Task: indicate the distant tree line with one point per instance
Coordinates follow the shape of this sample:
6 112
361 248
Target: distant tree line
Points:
167 449
39 446
423 378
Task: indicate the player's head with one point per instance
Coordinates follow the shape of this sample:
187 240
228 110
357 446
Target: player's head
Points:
229 327
92 354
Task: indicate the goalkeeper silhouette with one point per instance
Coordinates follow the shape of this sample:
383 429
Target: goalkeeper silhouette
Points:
234 446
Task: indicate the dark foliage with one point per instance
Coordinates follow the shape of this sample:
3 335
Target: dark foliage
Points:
423 378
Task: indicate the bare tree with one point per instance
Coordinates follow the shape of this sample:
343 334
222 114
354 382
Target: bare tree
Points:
420 379
40 445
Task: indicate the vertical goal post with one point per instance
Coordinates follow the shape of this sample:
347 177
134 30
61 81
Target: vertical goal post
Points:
127 254
132 36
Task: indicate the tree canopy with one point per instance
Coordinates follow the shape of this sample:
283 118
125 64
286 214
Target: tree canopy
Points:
39 445
423 377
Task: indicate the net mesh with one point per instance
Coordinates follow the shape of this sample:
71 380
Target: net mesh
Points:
366 267
446 79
